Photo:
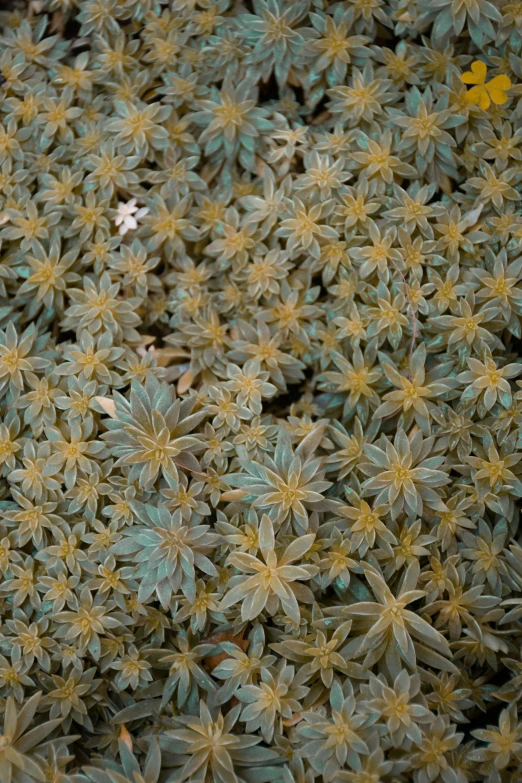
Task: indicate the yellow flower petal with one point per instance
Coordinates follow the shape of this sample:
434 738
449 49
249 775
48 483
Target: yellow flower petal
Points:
469 78
501 82
479 96
477 75
497 96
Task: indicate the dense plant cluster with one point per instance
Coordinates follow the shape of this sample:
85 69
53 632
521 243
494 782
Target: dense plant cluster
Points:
260 451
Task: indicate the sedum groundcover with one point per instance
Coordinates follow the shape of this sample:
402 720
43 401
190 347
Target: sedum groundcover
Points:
260 446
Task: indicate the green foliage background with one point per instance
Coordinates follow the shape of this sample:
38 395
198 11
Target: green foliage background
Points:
260 451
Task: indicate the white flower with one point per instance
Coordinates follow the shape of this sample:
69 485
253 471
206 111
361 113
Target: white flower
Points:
128 215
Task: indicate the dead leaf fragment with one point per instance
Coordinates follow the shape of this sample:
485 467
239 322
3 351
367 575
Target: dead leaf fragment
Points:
294 720
224 636
185 382
108 406
233 494
126 737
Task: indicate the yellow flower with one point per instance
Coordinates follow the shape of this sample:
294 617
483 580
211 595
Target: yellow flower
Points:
482 94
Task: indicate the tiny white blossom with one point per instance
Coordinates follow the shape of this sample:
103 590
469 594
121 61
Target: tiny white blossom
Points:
128 215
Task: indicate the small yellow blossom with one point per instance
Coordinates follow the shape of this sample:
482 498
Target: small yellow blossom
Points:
483 93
